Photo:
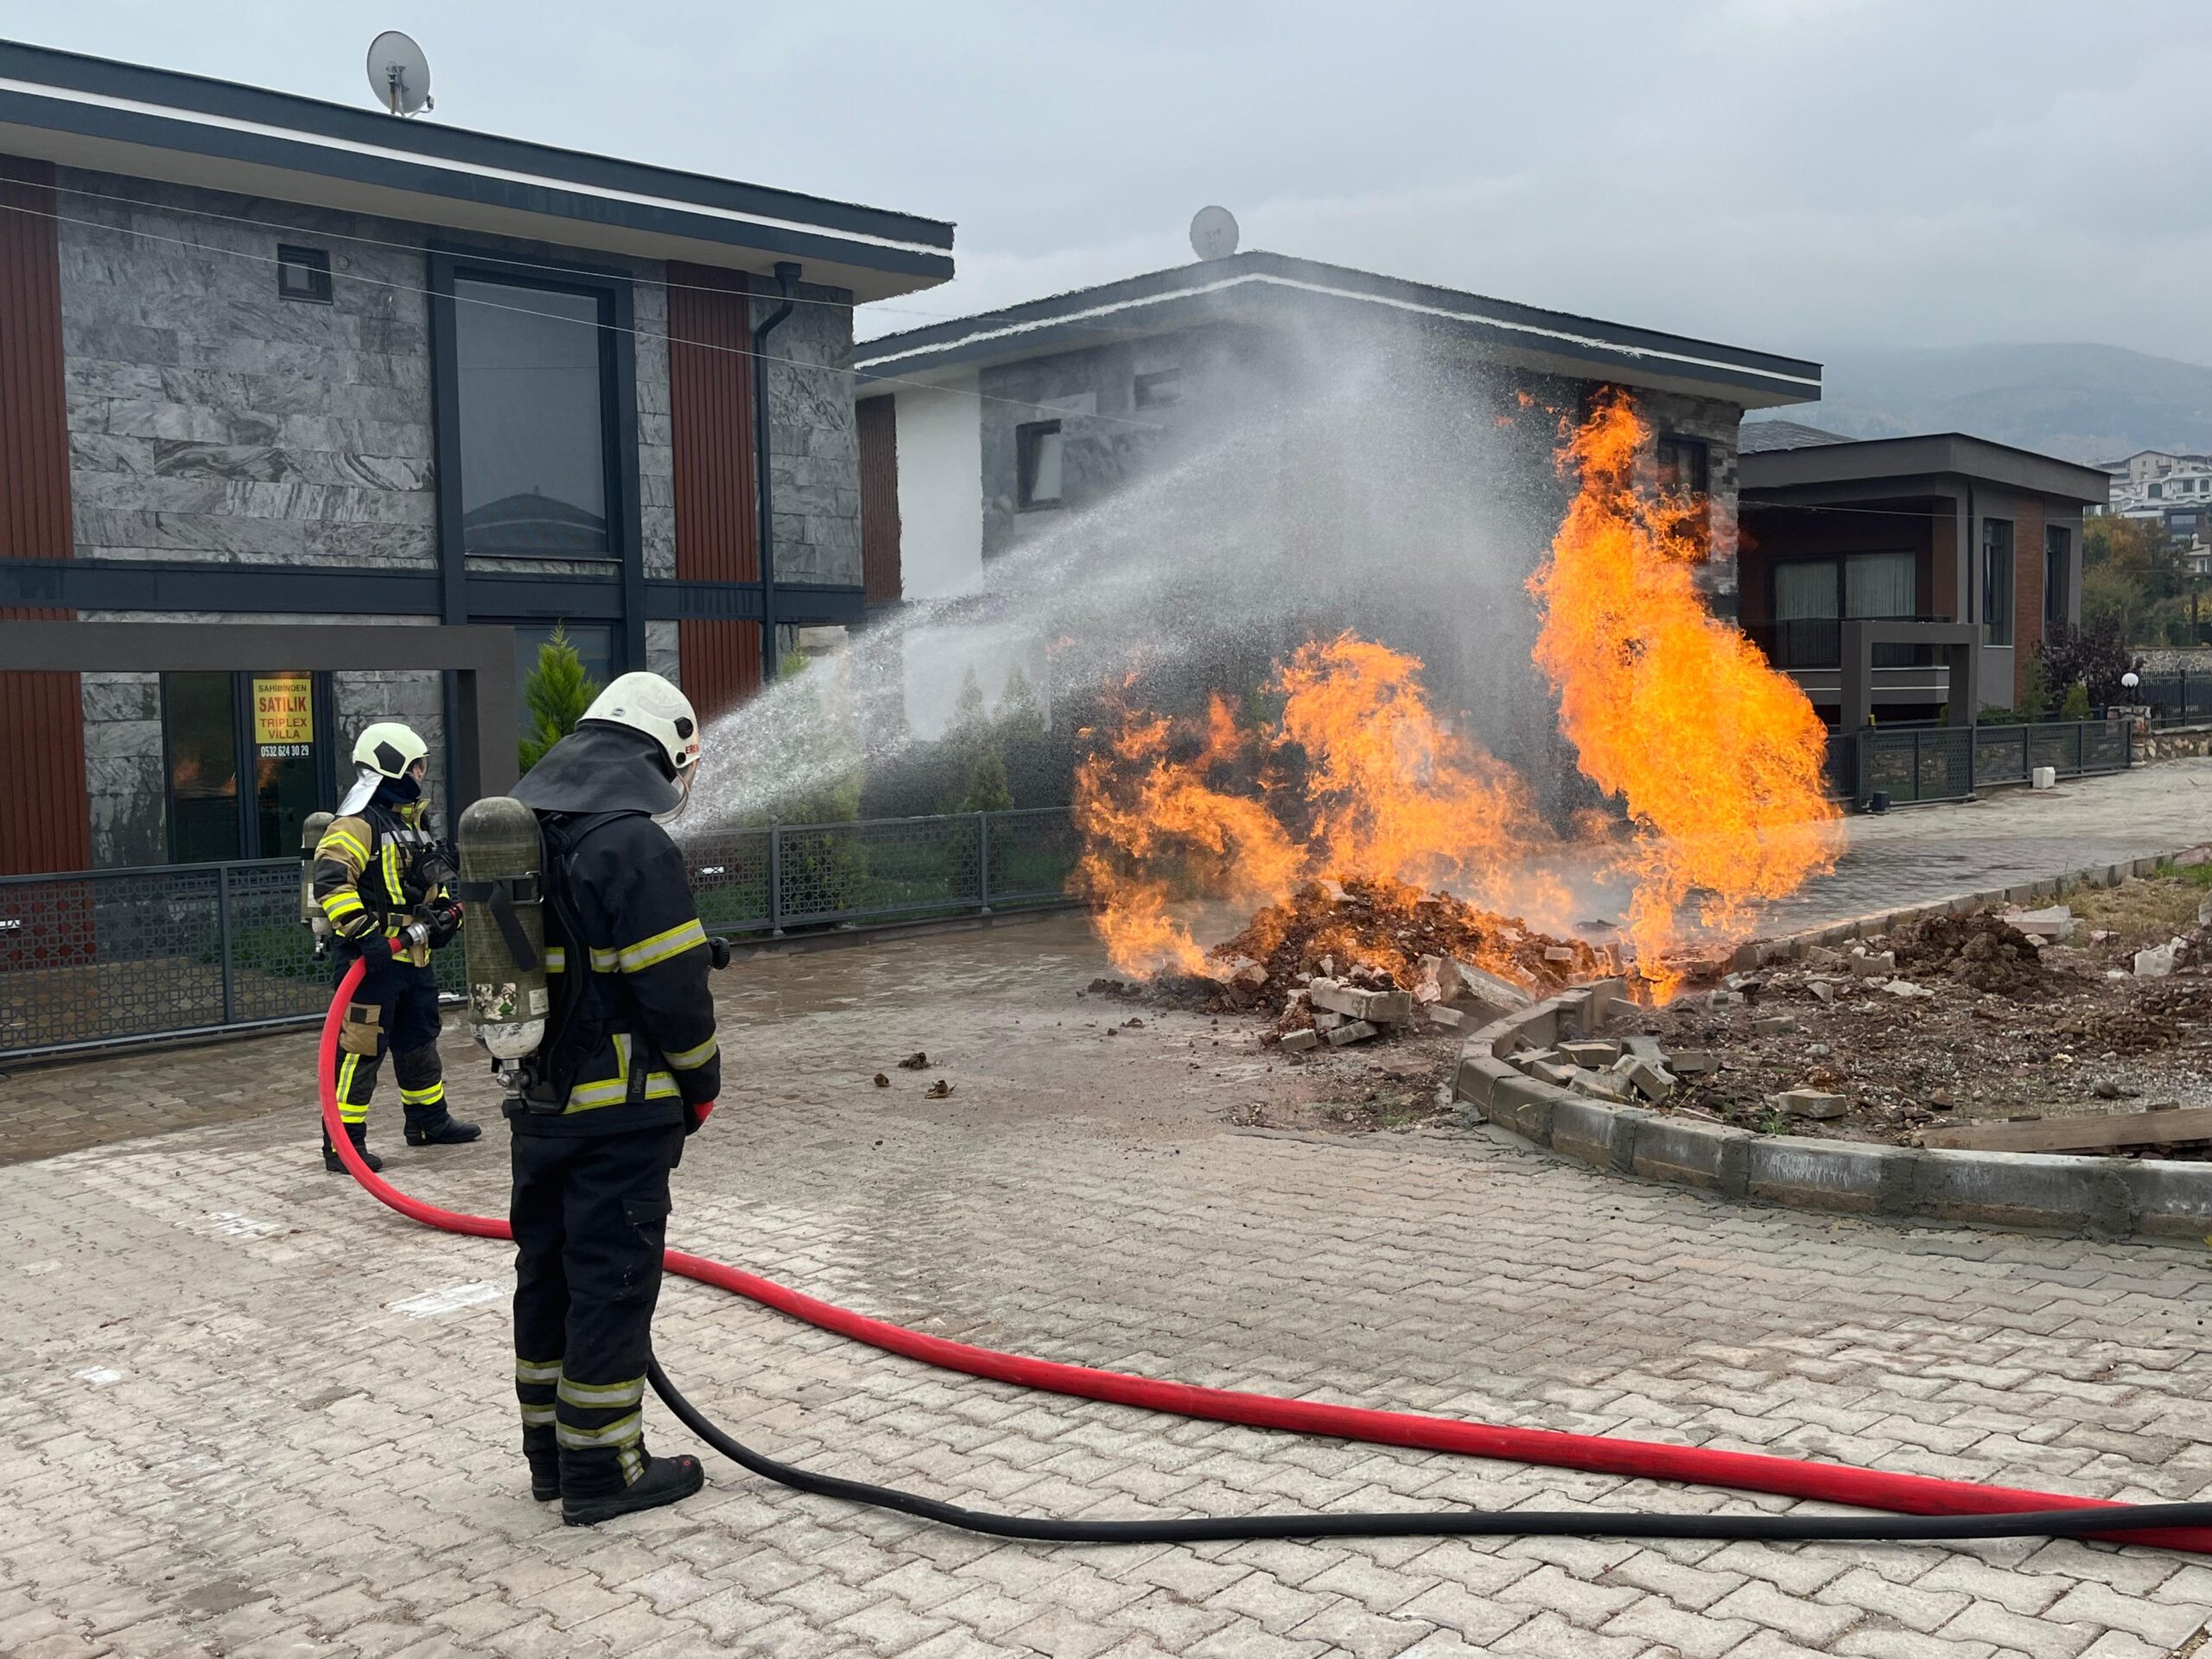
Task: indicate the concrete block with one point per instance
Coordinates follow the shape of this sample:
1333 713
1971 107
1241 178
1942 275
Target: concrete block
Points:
2014 1189
1808 1103
1774 1025
1652 1082
1326 1020
1387 1007
2169 1199
1909 991
1821 989
1529 1058
1606 998
1450 1019
1583 1130
1693 1062
1593 1052
1596 1084
1873 964
1525 1108
1357 1031
1487 990
2056 922
1296 1041
2158 962
1561 1074
1709 1156
1818 1175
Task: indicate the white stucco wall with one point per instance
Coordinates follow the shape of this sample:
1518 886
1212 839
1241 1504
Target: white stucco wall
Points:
940 488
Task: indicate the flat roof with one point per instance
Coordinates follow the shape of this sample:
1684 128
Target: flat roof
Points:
1255 285
1901 461
110 116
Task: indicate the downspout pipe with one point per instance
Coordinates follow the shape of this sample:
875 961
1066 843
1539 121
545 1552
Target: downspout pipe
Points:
786 278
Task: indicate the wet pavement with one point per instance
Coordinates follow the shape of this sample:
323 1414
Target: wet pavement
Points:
252 1412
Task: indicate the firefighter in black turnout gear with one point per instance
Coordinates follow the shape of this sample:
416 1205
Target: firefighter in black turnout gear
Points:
628 1059
381 880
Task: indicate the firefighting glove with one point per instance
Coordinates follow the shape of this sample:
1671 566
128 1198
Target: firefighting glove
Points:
718 953
376 950
444 917
439 866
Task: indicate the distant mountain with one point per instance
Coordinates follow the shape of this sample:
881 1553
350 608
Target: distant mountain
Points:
2086 402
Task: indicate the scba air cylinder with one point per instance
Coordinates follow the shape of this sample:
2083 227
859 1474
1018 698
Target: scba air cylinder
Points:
503 944
311 916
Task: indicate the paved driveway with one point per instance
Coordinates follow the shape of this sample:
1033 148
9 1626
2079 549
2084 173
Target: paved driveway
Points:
251 1413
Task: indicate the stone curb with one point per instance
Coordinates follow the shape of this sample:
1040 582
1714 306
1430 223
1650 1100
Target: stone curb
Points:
2102 1198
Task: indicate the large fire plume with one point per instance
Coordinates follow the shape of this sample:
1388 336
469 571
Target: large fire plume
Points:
1357 780
1717 757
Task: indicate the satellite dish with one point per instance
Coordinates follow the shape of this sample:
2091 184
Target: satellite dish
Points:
399 74
1213 233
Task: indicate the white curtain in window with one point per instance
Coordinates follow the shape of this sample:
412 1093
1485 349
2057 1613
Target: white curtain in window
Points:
1881 584
1804 589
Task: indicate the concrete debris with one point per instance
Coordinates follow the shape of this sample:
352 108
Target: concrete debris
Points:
2193 857
1654 1083
2056 923
1869 964
914 1062
1775 1025
1808 1103
936 1090
1595 1052
1558 953
1590 1083
2204 912
882 1082
1339 996
1434 982
1244 973
1818 1051
1327 1020
1822 990
1555 1072
1723 999
1821 956
1645 1048
1694 1062
1354 1031
2160 960
1907 989
1746 983
1450 1019
1487 990
1296 1040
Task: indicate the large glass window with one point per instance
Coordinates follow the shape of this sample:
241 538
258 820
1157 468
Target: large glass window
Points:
532 382
1039 449
2058 566
199 733
1997 580
594 645
277 723
1881 585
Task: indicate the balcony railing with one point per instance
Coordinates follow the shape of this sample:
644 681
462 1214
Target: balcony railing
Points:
1817 642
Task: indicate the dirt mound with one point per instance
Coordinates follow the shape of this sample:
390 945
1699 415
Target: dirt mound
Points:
1375 933
1981 950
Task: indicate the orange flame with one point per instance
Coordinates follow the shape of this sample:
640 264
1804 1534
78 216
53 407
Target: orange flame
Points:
1717 757
1384 790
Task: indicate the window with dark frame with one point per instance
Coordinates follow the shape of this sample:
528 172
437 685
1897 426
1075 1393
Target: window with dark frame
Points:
2057 565
1040 449
1997 577
1685 465
303 274
533 387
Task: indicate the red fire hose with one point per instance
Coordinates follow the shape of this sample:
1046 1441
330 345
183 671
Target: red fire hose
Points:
1865 1489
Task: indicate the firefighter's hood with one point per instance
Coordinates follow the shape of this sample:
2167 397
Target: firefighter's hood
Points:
600 769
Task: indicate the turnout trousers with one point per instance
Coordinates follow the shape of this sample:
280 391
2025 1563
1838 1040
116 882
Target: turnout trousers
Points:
396 1011
590 1219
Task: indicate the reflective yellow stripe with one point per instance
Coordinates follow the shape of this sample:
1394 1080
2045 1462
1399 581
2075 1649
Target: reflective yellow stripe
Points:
349 1109
538 1370
618 1432
604 962
537 1416
686 1059
557 959
342 904
428 1096
659 948
392 872
346 844
611 1092
602 1397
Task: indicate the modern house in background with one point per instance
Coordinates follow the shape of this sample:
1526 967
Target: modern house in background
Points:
982 431
264 358
1945 529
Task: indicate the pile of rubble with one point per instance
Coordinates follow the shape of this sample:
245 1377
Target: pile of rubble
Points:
1622 1070
1365 1001
1391 937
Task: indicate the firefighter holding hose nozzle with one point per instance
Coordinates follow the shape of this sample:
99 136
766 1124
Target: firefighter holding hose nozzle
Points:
599 1110
382 881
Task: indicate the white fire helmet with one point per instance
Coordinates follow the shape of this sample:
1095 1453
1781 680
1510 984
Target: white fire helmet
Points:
389 747
646 702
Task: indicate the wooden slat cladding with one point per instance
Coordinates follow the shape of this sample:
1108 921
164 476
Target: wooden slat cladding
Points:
711 419
878 421
45 814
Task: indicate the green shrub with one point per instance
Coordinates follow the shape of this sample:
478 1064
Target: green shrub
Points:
2076 706
555 697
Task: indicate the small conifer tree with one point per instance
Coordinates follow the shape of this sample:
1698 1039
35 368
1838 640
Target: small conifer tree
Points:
555 697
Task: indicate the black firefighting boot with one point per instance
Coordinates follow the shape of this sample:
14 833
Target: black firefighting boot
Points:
443 1130
358 1134
593 1489
543 1452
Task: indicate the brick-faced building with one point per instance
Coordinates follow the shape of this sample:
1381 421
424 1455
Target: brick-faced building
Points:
263 359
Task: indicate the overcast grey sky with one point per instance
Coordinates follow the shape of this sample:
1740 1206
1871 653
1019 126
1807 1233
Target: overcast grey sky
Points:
1793 174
